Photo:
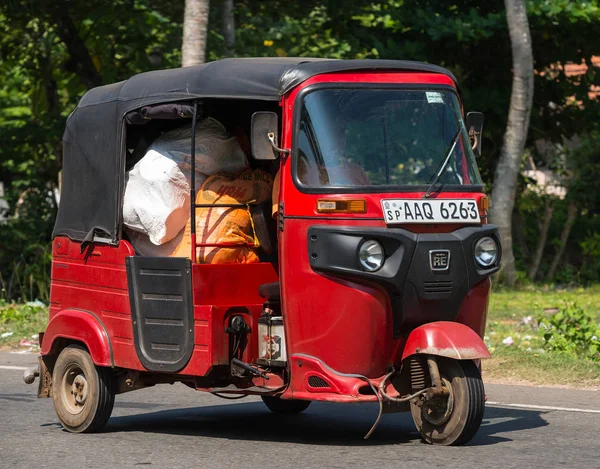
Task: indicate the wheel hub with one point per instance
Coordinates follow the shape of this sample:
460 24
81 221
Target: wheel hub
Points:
74 389
437 410
79 389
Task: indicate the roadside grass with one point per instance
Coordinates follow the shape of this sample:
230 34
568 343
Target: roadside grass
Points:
517 346
20 324
511 365
516 304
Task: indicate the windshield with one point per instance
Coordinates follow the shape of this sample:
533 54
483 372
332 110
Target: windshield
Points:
382 137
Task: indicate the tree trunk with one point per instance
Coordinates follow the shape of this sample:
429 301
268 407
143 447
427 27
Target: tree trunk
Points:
229 26
564 236
505 179
541 244
195 28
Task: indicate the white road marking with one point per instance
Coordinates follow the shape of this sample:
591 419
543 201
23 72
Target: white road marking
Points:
544 407
6 367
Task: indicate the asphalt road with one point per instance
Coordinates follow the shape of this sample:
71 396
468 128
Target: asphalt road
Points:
176 427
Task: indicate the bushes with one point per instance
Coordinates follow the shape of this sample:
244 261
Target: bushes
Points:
571 331
25 248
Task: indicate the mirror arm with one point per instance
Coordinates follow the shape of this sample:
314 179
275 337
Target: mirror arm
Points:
271 137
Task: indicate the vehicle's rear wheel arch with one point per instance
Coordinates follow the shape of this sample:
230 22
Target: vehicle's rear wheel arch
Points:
58 345
78 327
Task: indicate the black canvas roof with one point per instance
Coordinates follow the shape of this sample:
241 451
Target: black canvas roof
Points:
93 149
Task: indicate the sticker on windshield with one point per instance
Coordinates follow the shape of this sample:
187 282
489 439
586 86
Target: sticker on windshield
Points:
434 97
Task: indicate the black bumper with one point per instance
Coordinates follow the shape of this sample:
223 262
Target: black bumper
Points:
418 294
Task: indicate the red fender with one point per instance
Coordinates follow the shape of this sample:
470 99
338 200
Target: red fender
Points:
82 326
446 339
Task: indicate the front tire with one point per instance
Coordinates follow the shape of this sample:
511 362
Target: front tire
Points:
83 393
285 406
453 420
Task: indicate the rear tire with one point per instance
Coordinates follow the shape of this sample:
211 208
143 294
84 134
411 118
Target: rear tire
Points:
285 406
453 420
83 393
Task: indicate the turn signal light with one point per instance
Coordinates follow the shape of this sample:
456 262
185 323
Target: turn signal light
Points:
484 205
341 206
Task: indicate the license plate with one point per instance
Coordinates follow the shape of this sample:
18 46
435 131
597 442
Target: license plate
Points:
430 211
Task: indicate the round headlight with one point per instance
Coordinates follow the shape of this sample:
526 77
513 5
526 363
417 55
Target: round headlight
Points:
486 252
371 255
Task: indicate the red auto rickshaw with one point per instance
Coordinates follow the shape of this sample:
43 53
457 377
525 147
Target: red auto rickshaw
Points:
373 277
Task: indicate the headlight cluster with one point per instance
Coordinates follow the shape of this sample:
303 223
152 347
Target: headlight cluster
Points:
371 255
486 252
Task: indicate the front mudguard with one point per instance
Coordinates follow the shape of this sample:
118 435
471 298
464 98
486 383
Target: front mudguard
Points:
445 339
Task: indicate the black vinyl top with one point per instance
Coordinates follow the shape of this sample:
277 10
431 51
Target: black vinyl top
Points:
93 142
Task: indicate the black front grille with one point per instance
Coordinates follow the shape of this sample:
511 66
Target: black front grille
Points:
316 382
438 287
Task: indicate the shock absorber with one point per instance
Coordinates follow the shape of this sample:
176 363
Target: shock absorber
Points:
418 372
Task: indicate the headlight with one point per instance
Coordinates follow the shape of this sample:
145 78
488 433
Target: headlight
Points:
371 255
486 252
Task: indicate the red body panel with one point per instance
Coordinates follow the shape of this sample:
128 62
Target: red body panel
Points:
446 339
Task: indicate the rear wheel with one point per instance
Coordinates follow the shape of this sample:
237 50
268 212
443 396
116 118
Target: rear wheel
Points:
83 393
454 419
285 406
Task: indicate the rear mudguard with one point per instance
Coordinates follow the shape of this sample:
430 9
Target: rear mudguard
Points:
82 326
446 339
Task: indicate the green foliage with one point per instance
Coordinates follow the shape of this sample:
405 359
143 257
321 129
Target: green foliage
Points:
25 248
51 52
11 313
571 331
21 321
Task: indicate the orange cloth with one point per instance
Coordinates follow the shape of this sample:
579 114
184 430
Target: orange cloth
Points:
226 224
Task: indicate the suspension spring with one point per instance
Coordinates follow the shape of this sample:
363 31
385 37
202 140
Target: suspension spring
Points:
418 372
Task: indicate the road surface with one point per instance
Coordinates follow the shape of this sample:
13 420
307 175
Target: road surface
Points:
176 427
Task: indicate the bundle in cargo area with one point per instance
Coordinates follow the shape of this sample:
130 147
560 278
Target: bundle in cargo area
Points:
228 227
157 192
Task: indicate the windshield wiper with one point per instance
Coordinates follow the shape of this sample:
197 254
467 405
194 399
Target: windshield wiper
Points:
447 156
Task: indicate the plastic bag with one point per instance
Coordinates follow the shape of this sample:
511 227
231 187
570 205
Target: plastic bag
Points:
156 200
215 151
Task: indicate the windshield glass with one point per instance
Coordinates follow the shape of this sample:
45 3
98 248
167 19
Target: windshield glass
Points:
382 137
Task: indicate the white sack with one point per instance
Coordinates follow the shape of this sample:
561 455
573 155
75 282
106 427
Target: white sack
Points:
142 244
157 198
157 193
214 150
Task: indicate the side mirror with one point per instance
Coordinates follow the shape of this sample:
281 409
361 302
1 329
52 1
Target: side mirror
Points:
475 127
264 135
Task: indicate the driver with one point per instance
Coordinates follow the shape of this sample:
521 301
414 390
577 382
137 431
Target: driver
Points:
337 170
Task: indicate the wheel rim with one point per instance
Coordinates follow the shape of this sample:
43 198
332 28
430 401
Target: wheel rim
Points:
438 411
74 389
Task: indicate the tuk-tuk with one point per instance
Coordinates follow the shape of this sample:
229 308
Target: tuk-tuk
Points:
374 268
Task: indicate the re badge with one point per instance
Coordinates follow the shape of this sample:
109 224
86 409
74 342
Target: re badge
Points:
439 259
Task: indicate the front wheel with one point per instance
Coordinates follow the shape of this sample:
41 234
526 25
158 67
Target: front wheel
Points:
454 419
83 393
285 406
